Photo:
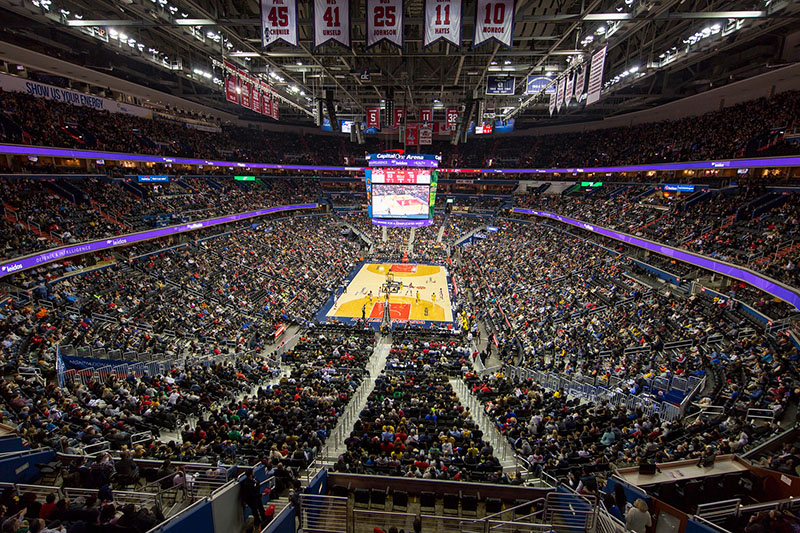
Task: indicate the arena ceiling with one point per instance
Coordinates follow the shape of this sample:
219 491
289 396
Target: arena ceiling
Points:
658 50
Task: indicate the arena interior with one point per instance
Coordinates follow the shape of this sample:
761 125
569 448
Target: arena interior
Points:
380 266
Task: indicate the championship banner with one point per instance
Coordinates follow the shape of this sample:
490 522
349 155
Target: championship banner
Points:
332 22
552 105
399 117
246 92
384 22
232 88
411 134
570 87
442 21
494 19
580 82
374 117
559 94
596 76
278 22
451 118
426 114
425 135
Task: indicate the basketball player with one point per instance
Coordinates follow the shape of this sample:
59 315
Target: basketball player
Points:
433 297
417 297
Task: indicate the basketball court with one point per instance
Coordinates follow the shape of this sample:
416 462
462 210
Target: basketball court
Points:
417 293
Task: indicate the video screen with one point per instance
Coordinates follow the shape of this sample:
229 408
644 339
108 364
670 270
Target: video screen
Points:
400 201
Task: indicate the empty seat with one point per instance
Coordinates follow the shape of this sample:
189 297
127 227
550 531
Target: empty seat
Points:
450 503
341 491
378 499
361 497
399 500
469 505
427 500
493 505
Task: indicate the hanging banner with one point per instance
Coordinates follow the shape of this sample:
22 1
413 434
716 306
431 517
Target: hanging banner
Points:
500 84
494 19
569 88
256 100
596 76
332 22
442 21
232 88
278 22
580 82
247 89
552 105
559 94
266 103
426 114
384 22
399 117
425 136
373 117
275 113
411 134
537 84
451 118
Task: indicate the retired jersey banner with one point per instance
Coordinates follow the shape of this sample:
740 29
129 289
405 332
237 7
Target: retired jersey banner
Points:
232 88
275 113
374 117
278 22
384 22
255 100
426 114
331 22
552 105
442 21
399 117
580 82
494 19
411 134
268 103
596 76
451 118
246 92
570 87
559 94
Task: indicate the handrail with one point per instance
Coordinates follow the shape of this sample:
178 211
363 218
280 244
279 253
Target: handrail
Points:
711 524
487 517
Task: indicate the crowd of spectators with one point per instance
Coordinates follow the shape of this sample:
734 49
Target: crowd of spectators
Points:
413 424
738 130
43 214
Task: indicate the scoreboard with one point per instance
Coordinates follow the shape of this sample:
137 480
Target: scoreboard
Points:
401 196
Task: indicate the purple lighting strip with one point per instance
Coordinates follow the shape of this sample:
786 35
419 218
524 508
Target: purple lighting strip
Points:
402 223
93 246
14 149
764 283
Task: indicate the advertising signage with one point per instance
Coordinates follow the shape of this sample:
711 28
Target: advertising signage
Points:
150 179
678 187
